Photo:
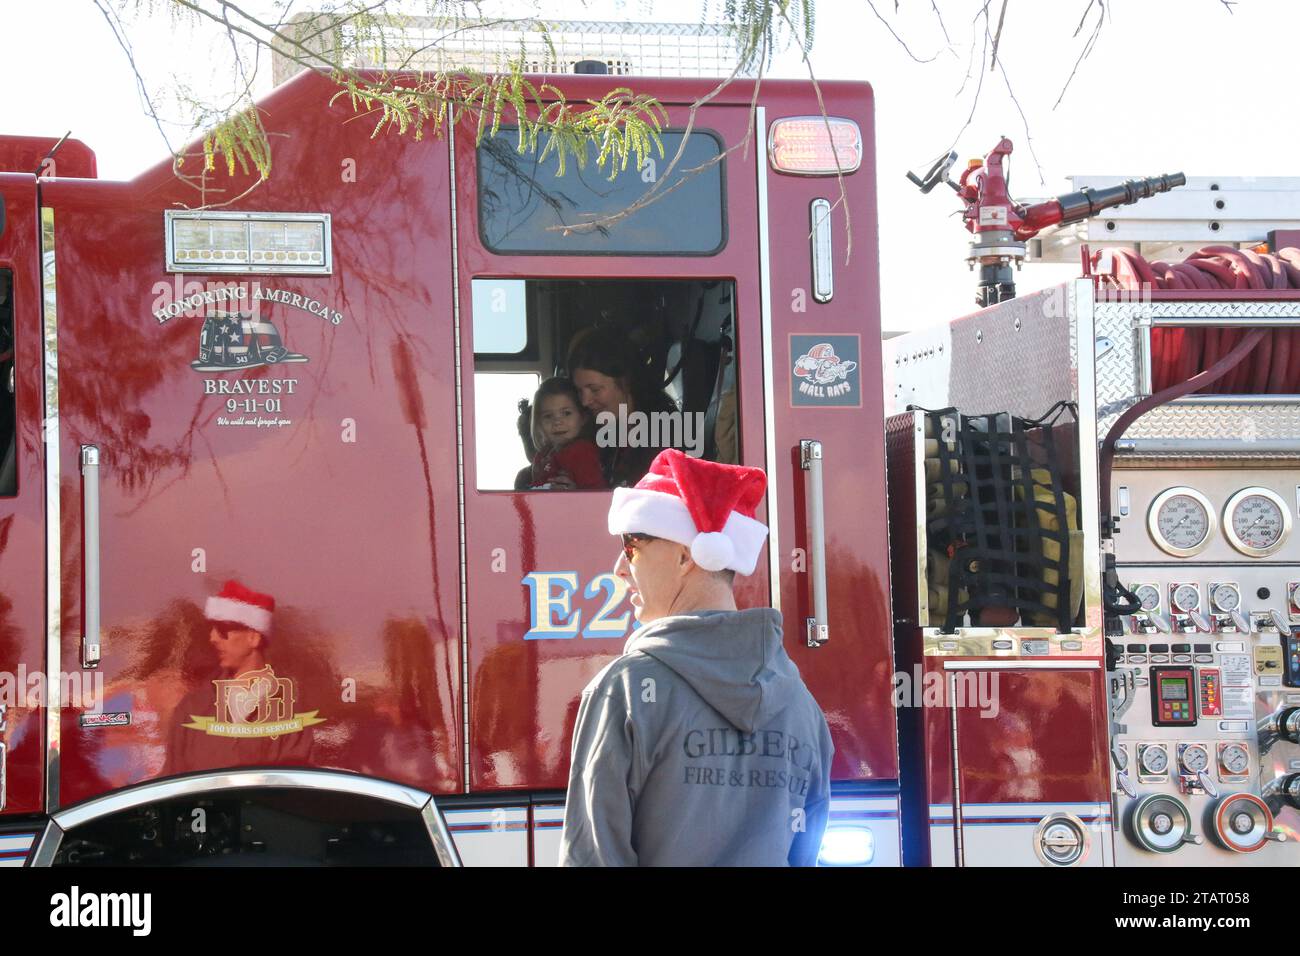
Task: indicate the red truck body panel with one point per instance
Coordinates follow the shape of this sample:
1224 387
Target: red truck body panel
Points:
22 518
348 515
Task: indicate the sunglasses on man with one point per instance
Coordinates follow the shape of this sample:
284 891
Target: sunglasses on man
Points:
633 540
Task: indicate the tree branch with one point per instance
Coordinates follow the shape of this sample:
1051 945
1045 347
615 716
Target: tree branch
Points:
935 7
1029 140
901 41
997 36
1087 47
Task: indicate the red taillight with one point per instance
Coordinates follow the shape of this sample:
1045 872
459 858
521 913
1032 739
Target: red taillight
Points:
811 145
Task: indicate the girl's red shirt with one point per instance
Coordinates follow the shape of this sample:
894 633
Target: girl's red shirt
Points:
580 458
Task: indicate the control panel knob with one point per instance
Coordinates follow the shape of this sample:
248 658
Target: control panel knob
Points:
1243 823
1161 823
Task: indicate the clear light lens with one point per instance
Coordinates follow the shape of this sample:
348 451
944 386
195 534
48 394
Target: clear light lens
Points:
804 145
847 846
210 240
249 242
288 241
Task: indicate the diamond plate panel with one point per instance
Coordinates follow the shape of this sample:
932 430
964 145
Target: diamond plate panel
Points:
1119 374
1117 369
1016 357
1256 422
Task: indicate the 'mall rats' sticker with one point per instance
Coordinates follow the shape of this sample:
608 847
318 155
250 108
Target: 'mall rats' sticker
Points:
238 333
257 703
825 370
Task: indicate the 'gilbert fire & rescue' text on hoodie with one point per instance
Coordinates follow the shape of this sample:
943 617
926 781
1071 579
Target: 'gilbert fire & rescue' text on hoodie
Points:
699 746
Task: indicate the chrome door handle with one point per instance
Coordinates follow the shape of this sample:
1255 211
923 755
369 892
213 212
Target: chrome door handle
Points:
810 458
90 649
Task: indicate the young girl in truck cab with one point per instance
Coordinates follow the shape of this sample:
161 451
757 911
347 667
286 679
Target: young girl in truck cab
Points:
566 456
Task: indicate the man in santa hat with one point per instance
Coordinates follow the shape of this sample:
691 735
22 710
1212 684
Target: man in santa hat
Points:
241 623
700 745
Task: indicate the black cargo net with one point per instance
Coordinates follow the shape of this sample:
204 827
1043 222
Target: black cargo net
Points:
997 520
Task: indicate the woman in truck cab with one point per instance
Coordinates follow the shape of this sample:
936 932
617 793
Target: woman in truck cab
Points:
611 378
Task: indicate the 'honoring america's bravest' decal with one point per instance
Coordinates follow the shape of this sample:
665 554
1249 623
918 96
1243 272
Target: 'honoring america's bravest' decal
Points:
237 334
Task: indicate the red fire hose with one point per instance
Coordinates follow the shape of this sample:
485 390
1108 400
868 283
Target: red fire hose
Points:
1178 354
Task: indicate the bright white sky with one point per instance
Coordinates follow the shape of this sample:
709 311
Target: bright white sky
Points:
1171 85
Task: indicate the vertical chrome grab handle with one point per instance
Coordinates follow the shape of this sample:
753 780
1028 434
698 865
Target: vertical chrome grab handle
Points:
810 458
90 555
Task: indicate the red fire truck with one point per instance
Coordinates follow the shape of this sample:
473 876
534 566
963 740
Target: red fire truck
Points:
313 389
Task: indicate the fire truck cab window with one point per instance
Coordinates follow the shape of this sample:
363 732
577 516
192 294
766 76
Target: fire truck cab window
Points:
8 404
670 344
523 205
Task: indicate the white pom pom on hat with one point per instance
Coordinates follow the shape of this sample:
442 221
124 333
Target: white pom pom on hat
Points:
712 550
705 505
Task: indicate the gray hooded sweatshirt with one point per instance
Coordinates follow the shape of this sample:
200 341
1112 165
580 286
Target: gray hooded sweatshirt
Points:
699 746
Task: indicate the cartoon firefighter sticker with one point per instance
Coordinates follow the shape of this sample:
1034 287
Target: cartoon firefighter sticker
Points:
237 340
822 365
823 373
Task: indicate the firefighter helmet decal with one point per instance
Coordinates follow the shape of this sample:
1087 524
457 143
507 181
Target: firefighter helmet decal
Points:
237 341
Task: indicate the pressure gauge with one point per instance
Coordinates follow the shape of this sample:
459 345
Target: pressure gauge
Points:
1149 595
1154 760
1195 758
1181 521
1256 521
1235 759
1121 758
1226 598
1185 598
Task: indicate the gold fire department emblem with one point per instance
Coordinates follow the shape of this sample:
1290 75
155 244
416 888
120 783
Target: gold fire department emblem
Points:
254 704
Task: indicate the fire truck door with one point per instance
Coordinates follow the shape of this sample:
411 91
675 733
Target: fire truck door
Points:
1030 764
286 425
23 681
678 280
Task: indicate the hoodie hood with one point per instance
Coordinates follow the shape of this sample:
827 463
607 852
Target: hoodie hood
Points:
735 660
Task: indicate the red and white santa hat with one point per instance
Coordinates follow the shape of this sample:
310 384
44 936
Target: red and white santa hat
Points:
240 605
705 505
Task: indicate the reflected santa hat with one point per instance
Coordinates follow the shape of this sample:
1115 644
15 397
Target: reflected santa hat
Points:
705 505
240 605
